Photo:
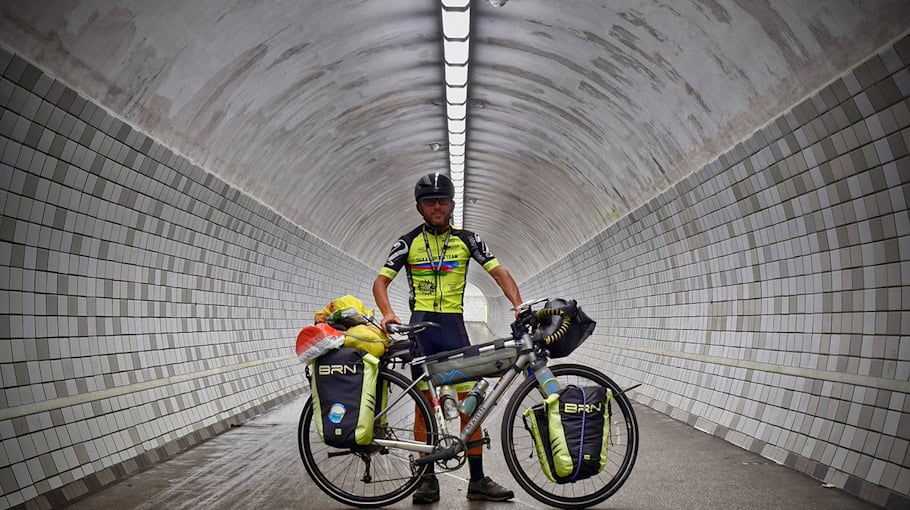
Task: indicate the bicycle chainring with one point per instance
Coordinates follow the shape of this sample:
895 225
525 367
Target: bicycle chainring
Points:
458 460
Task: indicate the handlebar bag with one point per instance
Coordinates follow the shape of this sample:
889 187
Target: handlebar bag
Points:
580 328
571 432
344 391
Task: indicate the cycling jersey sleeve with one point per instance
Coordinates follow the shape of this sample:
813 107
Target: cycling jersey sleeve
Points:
480 252
398 255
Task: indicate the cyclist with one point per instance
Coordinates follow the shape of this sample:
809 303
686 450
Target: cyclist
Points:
436 257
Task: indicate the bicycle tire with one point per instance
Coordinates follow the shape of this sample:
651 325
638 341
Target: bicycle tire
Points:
521 457
339 476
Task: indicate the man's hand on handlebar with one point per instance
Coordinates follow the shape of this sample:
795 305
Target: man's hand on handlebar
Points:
389 319
409 329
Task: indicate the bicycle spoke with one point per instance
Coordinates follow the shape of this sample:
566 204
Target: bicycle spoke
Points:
391 475
521 454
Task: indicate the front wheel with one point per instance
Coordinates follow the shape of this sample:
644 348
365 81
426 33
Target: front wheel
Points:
371 476
521 455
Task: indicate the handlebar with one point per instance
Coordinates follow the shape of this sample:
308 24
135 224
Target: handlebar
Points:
542 331
410 329
404 349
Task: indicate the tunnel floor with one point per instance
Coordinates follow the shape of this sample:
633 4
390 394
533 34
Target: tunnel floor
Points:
257 465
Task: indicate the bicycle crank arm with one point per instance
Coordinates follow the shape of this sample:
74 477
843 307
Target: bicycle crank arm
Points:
443 454
480 442
485 440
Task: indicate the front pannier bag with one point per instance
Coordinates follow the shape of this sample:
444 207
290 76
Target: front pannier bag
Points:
571 431
344 388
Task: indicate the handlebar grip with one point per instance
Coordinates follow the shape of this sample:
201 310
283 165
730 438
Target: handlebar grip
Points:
563 328
410 328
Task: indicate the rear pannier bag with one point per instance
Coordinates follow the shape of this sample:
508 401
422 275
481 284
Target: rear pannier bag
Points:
491 359
344 391
571 431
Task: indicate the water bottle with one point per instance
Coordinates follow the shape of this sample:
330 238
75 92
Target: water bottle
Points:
546 381
474 398
448 398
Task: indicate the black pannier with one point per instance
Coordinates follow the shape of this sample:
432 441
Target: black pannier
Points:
580 328
344 390
571 432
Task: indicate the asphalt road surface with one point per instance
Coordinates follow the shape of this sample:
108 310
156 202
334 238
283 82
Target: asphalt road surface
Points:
257 465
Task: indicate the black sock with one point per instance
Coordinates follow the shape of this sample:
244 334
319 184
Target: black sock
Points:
475 466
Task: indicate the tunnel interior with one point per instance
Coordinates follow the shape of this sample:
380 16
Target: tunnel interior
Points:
723 186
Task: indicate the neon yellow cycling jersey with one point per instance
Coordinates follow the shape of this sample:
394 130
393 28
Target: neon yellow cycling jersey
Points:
437 266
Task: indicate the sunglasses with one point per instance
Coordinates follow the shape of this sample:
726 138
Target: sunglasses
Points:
436 201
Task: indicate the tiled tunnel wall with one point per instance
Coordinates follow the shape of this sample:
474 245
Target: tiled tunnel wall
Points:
145 305
766 298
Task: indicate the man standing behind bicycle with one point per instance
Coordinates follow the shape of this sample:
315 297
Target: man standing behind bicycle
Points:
436 257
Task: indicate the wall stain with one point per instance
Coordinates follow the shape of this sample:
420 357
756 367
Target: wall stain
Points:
106 37
288 53
778 31
636 19
213 96
594 77
717 10
697 97
360 82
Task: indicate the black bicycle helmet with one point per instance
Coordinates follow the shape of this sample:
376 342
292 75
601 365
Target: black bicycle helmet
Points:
435 185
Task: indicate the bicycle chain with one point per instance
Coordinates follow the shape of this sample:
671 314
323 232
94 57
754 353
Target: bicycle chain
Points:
443 465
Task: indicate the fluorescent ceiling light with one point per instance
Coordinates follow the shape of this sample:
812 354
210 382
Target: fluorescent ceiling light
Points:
455 52
457 125
457 76
456 24
456 111
456 95
456 31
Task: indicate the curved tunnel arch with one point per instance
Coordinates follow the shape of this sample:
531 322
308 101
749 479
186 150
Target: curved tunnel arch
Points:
722 185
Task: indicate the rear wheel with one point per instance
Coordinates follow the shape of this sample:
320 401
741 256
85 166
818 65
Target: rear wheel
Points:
522 459
370 476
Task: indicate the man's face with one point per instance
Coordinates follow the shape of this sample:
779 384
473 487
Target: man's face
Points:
436 211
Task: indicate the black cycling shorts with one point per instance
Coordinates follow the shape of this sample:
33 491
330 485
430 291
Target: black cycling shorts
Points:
452 335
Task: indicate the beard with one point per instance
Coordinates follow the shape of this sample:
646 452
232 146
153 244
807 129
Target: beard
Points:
428 219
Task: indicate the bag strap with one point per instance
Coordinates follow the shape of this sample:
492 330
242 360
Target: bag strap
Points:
366 340
581 443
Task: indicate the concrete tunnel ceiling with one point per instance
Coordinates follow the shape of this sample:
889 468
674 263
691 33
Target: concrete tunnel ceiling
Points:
578 112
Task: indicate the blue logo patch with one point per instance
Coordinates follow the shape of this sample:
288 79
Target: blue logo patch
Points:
336 412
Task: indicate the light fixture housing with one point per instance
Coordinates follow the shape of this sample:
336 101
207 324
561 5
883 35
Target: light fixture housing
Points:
456 34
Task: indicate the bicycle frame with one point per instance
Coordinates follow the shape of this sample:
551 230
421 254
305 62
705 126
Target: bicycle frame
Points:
526 358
